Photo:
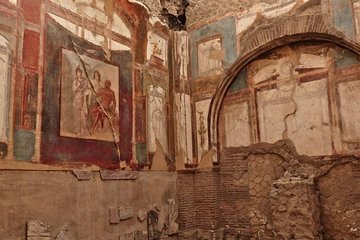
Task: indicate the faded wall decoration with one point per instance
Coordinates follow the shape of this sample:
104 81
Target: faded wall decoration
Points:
293 109
87 9
202 112
89 98
5 74
290 98
349 109
237 125
210 56
246 18
309 128
157 49
156 119
183 125
182 54
29 103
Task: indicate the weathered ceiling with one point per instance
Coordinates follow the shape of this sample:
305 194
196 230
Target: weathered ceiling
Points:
201 10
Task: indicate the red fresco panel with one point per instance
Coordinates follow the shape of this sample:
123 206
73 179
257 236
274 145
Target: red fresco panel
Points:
31 9
31 49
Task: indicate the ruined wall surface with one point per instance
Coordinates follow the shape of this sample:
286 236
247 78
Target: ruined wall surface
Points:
266 193
269 191
339 201
216 42
87 205
282 189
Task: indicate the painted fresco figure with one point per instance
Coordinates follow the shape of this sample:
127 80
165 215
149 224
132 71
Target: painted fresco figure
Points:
158 117
94 104
82 92
202 129
97 83
106 106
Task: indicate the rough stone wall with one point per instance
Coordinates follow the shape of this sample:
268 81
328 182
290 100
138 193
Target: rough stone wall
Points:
268 191
339 198
295 210
200 10
246 184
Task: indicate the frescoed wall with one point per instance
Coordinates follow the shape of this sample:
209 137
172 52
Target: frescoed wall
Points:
75 80
220 130
289 89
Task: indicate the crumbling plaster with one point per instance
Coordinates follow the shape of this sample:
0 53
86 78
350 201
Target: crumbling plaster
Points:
302 28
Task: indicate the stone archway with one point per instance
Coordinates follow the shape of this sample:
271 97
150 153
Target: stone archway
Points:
279 33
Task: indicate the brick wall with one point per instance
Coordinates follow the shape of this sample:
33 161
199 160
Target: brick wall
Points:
198 196
207 199
186 200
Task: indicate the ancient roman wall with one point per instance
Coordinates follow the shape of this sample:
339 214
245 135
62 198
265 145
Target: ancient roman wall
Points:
278 138
87 205
85 101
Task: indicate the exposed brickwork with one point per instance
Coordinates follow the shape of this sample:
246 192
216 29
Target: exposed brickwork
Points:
198 200
186 201
233 168
207 199
200 10
266 190
155 6
245 185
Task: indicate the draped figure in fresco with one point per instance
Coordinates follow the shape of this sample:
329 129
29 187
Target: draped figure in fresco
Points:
106 106
94 103
97 83
82 92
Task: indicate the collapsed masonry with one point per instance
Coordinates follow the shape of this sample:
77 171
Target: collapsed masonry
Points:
270 192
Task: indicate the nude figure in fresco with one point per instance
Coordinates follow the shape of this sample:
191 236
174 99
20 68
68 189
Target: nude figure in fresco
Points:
106 106
82 92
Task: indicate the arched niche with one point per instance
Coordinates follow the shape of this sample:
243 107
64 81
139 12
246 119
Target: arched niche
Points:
5 79
307 28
